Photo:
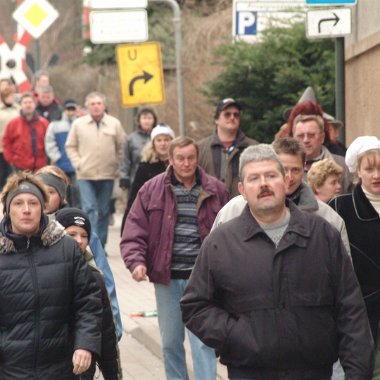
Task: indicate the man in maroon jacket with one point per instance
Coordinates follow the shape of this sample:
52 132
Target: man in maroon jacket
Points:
23 140
170 217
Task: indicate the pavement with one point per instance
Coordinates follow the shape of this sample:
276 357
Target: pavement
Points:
140 347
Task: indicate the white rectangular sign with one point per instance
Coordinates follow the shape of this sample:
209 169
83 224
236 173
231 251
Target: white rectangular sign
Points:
118 4
328 23
250 17
111 27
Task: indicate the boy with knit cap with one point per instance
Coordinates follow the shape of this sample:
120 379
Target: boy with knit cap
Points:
56 182
77 225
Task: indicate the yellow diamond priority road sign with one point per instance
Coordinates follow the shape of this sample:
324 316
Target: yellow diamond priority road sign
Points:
141 74
35 16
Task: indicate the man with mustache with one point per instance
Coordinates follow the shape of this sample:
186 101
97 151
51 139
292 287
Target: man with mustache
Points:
292 155
273 290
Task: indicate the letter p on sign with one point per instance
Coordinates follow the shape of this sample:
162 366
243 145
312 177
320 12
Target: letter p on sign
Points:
246 23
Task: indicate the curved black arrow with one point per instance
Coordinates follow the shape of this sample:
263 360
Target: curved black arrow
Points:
146 77
336 19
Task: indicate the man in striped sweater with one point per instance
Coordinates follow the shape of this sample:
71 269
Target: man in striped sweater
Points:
169 219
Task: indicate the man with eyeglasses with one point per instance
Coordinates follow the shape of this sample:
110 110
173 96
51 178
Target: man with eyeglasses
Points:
219 153
309 130
170 217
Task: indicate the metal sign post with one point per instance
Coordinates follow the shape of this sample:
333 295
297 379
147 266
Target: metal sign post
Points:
178 47
324 23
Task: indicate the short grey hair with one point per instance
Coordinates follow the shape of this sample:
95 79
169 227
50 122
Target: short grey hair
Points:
258 153
95 94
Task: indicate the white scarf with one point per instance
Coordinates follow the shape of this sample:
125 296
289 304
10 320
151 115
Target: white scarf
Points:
373 199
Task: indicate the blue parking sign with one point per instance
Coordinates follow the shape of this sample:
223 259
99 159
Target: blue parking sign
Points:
331 2
246 23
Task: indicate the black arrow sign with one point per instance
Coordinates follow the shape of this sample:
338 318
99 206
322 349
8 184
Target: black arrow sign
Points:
146 77
336 19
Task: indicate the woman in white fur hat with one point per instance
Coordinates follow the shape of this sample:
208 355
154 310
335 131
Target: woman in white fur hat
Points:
154 161
360 211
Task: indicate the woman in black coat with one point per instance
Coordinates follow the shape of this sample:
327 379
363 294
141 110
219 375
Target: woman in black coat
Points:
360 211
154 161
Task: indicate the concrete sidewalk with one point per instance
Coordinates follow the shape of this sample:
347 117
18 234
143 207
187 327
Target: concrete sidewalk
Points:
134 297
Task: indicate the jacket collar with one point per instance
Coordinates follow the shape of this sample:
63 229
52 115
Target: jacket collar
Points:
140 131
175 181
48 234
363 208
203 179
297 222
33 120
65 118
306 198
238 142
91 120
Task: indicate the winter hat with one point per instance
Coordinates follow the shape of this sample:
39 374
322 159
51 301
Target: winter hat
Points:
70 103
309 96
360 145
162 129
223 104
54 181
71 216
24 187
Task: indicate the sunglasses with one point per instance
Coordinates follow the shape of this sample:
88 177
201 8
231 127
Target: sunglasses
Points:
228 114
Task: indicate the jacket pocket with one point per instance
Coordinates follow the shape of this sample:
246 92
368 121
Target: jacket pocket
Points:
241 347
311 313
158 235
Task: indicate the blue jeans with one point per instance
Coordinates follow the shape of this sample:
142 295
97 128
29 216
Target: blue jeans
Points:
73 193
172 332
95 198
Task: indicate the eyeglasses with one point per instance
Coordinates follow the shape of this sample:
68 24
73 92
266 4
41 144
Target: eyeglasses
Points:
228 114
309 136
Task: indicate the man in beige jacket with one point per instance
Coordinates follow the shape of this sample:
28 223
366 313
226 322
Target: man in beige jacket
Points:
94 147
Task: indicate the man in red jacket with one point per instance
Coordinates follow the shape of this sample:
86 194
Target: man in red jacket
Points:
23 141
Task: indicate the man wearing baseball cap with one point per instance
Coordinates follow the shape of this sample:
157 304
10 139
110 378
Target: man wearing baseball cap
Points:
219 153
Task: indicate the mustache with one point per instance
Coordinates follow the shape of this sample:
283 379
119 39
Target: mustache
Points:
265 192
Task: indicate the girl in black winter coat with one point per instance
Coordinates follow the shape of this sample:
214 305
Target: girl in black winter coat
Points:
154 161
77 225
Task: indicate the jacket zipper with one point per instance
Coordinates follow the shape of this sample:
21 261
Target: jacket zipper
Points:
36 303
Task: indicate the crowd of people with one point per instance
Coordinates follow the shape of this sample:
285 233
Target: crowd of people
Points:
266 254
